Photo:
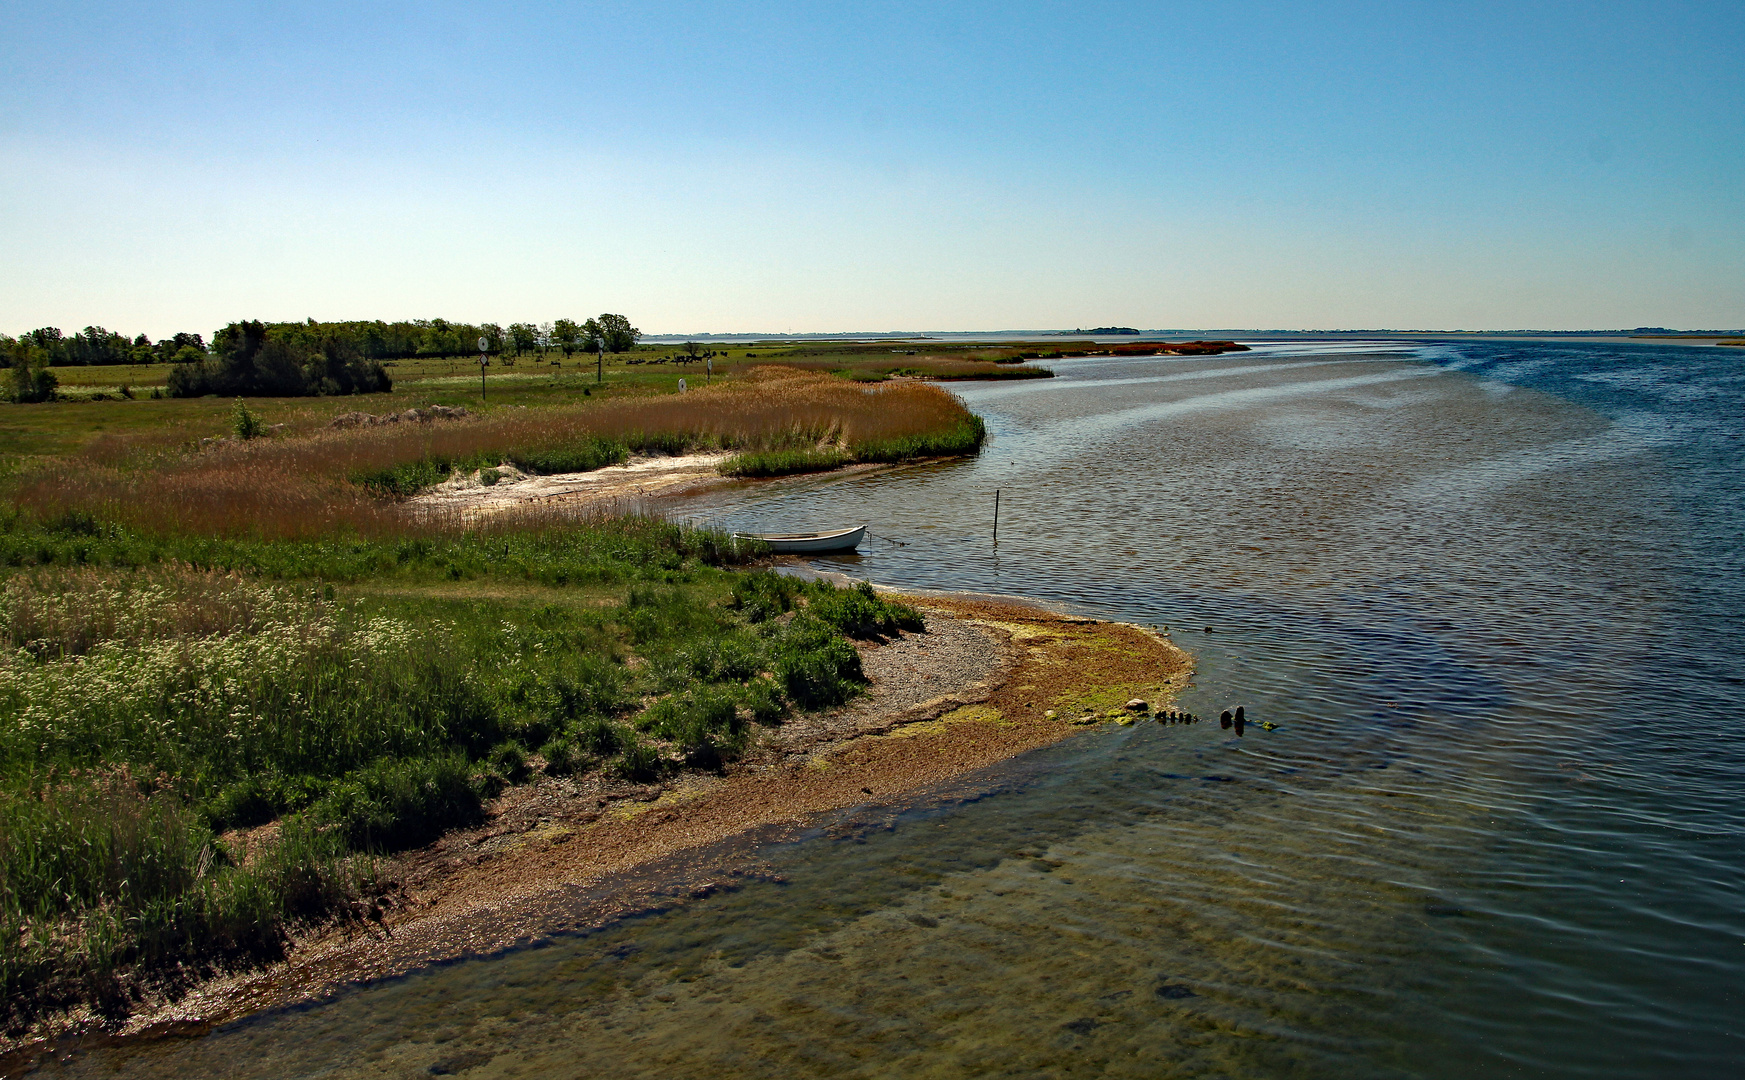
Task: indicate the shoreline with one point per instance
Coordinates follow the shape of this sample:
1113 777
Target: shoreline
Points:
556 856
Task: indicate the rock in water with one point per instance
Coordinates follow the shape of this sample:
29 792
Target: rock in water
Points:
1137 705
1224 719
1241 715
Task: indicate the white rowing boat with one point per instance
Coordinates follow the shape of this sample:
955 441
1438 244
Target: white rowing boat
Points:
807 543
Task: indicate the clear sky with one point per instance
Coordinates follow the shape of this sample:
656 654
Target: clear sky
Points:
830 166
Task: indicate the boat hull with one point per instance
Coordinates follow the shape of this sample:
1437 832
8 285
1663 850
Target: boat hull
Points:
810 543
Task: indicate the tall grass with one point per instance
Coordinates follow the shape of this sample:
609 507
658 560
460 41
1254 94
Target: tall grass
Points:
104 871
333 481
141 731
546 543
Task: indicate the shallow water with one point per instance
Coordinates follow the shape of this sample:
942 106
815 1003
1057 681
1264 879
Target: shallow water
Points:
1490 593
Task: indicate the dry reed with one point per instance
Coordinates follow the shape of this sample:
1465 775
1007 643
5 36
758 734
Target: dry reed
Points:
303 486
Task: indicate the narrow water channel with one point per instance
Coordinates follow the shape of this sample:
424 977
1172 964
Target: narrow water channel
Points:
1490 595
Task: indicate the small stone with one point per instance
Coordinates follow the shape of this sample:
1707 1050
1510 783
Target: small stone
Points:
1138 705
1051 715
1125 721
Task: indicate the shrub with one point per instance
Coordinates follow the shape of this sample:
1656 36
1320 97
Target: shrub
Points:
395 804
762 595
509 760
640 761
33 382
244 424
563 757
814 666
702 724
860 612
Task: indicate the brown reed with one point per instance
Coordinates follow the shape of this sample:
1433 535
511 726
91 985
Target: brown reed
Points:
302 486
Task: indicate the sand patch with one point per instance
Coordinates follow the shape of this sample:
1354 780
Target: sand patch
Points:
642 477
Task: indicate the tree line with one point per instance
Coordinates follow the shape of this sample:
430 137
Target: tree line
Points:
296 358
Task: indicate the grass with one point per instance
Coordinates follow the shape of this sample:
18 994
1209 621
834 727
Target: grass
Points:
192 762
236 674
329 480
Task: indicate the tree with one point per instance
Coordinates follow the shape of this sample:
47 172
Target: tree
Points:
284 359
523 336
493 335
692 351
566 335
32 381
593 338
618 334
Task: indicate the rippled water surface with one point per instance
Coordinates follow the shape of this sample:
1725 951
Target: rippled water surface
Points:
1491 595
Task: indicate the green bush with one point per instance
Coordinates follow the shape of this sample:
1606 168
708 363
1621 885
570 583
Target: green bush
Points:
563 757
396 804
814 666
244 424
509 760
639 761
860 612
32 382
761 595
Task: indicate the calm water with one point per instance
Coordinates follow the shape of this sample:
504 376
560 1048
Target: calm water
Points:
1491 593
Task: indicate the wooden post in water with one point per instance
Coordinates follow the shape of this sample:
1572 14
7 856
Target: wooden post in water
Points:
996 515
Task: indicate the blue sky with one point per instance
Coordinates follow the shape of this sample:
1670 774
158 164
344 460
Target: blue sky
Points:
812 167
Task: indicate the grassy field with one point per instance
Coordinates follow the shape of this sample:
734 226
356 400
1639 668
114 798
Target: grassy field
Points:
235 675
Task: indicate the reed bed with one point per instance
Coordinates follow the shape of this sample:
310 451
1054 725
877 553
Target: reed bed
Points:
335 480
941 368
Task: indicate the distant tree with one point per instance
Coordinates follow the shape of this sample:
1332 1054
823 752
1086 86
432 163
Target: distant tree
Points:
170 349
95 345
593 338
286 359
566 335
493 334
46 338
523 336
692 351
618 334
31 380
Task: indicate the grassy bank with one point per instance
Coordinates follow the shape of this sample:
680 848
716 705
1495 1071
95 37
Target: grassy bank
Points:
195 759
